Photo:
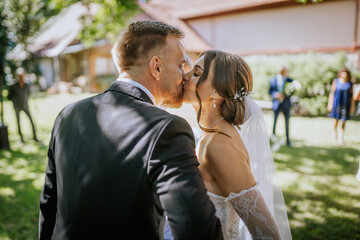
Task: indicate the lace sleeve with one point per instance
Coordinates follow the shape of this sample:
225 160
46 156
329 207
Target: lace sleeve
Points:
252 209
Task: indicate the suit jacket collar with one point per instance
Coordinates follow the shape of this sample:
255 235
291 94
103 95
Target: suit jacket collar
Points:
130 90
273 80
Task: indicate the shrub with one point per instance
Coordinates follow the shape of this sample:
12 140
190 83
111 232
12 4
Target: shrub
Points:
315 72
104 81
315 106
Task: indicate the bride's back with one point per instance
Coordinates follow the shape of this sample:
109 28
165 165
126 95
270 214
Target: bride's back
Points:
224 161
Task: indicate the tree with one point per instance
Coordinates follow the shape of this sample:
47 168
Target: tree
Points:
20 20
112 16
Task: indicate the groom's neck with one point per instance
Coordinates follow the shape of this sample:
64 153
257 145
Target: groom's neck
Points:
140 75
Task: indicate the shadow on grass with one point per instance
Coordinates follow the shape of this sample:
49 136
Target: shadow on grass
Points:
34 154
334 161
323 197
21 175
328 209
19 212
333 228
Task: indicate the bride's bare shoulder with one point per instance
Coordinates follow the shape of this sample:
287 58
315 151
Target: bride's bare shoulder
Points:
228 163
229 144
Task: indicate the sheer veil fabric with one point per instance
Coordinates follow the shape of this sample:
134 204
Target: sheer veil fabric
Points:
254 135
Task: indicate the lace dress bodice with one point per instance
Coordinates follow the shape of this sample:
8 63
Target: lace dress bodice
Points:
244 213
232 226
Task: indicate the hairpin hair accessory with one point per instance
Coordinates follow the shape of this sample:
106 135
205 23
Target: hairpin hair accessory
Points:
240 95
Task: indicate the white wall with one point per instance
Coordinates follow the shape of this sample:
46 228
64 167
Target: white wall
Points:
47 70
325 25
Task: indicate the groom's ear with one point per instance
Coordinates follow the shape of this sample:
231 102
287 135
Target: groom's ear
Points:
155 67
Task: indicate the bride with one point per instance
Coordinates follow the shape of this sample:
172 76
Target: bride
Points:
234 153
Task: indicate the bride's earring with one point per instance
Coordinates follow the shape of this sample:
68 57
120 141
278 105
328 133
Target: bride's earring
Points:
214 101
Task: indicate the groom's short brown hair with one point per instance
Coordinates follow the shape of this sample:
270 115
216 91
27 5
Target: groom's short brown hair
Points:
139 38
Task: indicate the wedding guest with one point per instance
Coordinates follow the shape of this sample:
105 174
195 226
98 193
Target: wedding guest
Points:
358 173
19 94
356 97
281 100
340 102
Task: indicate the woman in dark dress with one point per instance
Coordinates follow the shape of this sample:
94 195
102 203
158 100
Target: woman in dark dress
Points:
340 101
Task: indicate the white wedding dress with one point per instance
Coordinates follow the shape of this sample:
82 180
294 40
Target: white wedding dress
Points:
251 208
258 212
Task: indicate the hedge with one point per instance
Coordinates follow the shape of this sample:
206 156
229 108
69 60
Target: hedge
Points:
315 72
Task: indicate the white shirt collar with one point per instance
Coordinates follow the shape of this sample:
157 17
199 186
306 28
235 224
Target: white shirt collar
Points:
280 77
138 85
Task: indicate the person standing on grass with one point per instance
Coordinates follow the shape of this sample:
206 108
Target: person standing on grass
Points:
358 173
19 95
341 101
281 100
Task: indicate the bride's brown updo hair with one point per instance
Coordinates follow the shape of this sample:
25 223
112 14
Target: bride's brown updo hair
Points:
231 74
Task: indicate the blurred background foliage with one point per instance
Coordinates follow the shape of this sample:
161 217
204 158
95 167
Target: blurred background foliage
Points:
112 16
21 20
314 71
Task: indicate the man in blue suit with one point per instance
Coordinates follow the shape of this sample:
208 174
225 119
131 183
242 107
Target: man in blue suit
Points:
281 101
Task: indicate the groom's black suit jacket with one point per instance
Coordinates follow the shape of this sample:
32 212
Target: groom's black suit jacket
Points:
116 164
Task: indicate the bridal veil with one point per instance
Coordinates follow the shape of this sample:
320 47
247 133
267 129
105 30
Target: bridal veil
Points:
256 140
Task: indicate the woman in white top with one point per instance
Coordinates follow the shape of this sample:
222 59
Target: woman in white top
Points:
239 181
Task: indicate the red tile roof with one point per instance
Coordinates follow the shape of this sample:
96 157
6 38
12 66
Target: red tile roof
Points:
165 12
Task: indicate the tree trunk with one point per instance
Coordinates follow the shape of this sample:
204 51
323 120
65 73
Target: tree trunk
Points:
4 136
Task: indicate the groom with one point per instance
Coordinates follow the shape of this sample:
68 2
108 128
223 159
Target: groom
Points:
117 163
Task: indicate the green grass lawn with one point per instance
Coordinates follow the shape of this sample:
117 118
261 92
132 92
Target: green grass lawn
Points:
317 175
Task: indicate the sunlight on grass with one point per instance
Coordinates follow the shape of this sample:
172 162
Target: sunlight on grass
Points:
287 178
305 209
340 213
23 174
318 180
18 170
6 155
7 192
3 237
38 182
